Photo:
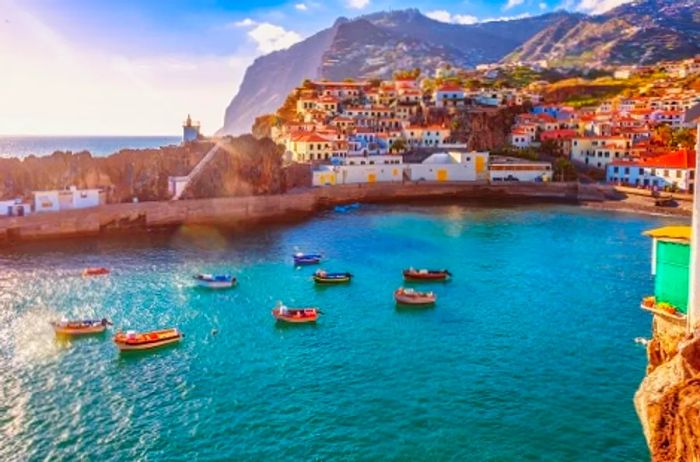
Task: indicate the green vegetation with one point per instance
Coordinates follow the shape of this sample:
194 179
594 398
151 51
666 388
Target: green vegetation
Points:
407 74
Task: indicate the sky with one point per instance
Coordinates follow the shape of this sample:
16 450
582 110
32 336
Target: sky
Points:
138 67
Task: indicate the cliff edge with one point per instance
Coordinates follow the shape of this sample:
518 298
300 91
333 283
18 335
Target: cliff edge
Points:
668 399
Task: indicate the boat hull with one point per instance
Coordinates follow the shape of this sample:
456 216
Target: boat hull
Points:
149 346
411 276
147 340
293 319
320 280
95 271
306 261
73 331
417 301
215 284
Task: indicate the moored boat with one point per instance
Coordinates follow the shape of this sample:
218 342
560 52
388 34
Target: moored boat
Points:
131 340
95 271
412 274
80 327
324 277
283 313
413 297
306 258
215 281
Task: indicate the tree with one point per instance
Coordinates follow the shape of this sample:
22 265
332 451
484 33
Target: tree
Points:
551 148
399 145
683 138
564 170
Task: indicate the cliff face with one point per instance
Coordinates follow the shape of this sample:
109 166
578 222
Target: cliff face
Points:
247 167
481 129
668 399
640 32
373 46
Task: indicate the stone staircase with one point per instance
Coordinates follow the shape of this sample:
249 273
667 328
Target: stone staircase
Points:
197 170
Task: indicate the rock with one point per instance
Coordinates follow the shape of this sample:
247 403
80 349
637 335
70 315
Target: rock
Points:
668 399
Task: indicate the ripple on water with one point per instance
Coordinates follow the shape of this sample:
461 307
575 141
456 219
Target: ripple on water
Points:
514 362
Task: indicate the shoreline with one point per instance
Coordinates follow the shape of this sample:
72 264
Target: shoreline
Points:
242 212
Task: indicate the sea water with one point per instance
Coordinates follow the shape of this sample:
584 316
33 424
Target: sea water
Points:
529 353
23 146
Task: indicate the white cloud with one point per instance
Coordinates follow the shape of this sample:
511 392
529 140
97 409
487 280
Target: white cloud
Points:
543 6
247 22
599 6
507 18
270 37
446 16
512 4
301 6
357 4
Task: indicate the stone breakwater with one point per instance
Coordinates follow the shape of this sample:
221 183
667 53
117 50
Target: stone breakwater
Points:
249 210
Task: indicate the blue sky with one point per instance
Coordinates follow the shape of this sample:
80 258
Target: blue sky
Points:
139 66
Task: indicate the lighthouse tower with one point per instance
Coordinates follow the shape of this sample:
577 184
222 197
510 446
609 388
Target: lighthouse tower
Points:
190 130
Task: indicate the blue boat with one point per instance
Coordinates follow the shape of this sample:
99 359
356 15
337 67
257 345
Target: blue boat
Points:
218 281
306 258
347 208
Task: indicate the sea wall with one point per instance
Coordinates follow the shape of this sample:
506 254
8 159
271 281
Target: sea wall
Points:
242 211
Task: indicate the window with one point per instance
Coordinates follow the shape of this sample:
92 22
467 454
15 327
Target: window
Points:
615 169
666 173
641 171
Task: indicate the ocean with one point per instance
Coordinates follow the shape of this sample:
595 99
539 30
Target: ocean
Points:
529 353
23 146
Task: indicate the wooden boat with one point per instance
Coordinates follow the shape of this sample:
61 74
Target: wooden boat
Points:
215 281
130 340
295 315
412 274
413 297
323 277
81 327
95 271
306 258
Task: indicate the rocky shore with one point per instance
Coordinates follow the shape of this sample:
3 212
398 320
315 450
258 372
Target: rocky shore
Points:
248 210
668 399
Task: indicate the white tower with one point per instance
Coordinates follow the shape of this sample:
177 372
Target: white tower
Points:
190 130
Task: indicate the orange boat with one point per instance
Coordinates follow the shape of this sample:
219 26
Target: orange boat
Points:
95 271
412 274
413 297
130 340
295 315
84 327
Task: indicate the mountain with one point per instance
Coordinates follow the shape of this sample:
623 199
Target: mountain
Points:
373 46
641 32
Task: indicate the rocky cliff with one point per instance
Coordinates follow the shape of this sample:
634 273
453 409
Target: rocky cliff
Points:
640 32
373 46
245 166
668 399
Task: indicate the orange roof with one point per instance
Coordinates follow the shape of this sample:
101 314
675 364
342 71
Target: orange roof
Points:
309 137
450 87
558 134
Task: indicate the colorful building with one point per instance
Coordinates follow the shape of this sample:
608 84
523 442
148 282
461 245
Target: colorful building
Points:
670 262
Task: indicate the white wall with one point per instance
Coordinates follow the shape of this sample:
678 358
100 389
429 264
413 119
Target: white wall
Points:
46 201
442 172
84 198
533 174
5 206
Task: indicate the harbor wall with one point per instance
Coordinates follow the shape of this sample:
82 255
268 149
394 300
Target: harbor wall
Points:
243 211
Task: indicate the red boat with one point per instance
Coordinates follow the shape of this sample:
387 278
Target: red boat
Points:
413 274
413 297
295 315
95 271
130 340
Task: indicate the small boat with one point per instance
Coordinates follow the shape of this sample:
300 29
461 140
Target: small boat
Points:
323 277
346 208
306 258
95 271
413 297
218 281
131 340
81 327
412 274
283 313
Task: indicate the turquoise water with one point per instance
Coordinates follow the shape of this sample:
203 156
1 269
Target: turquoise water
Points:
23 146
528 354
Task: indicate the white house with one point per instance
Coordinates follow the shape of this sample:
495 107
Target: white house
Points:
73 198
449 95
370 169
674 169
510 169
451 166
14 208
